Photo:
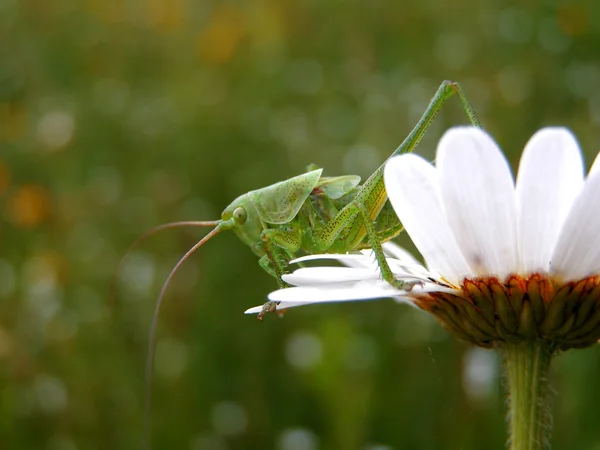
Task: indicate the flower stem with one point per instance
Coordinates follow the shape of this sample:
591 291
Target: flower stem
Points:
530 417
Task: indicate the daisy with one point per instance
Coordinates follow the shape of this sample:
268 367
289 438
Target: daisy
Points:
508 265
503 260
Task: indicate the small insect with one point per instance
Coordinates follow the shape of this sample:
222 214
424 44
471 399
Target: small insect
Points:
310 214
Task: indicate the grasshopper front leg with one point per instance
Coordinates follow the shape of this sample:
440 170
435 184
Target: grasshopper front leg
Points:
277 243
265 263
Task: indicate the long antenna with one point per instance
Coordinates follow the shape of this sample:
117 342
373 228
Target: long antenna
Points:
165 226
152 336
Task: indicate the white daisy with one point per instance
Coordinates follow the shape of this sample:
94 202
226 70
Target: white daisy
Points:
504 260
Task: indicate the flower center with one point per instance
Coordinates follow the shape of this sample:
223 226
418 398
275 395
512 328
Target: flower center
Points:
487 312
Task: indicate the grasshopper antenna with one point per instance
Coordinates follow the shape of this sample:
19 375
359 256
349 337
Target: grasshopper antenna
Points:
152 335
186 223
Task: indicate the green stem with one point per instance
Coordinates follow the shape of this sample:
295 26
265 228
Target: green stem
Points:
530 417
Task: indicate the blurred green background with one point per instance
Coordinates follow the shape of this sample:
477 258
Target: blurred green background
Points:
118 116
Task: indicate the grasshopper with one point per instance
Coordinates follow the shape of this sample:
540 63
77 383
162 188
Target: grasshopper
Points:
312 214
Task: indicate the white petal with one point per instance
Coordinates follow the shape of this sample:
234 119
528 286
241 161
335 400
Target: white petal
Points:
433 274
345 292
327 275
479 199
405 266
283 305
366 260
363 262
395 251
412 187
341 292
405 270
348 291
349 259
286 305
577 253
355 260
338 257
550 177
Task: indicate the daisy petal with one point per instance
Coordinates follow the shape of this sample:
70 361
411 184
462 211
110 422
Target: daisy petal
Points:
284 305
346 292
395 251
413 189
366 260
577 253
550 177
355 260
318 275
341 292
479 199
352 257
361 263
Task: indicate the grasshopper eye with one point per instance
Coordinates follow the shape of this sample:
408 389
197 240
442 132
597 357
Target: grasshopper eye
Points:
240 215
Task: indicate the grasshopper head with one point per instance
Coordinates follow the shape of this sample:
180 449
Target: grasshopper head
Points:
242 217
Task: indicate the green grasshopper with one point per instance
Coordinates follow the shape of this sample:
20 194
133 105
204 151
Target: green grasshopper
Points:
311 214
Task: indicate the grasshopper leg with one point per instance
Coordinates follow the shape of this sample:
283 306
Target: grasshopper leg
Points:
446 90
265 263
278 245
466 104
